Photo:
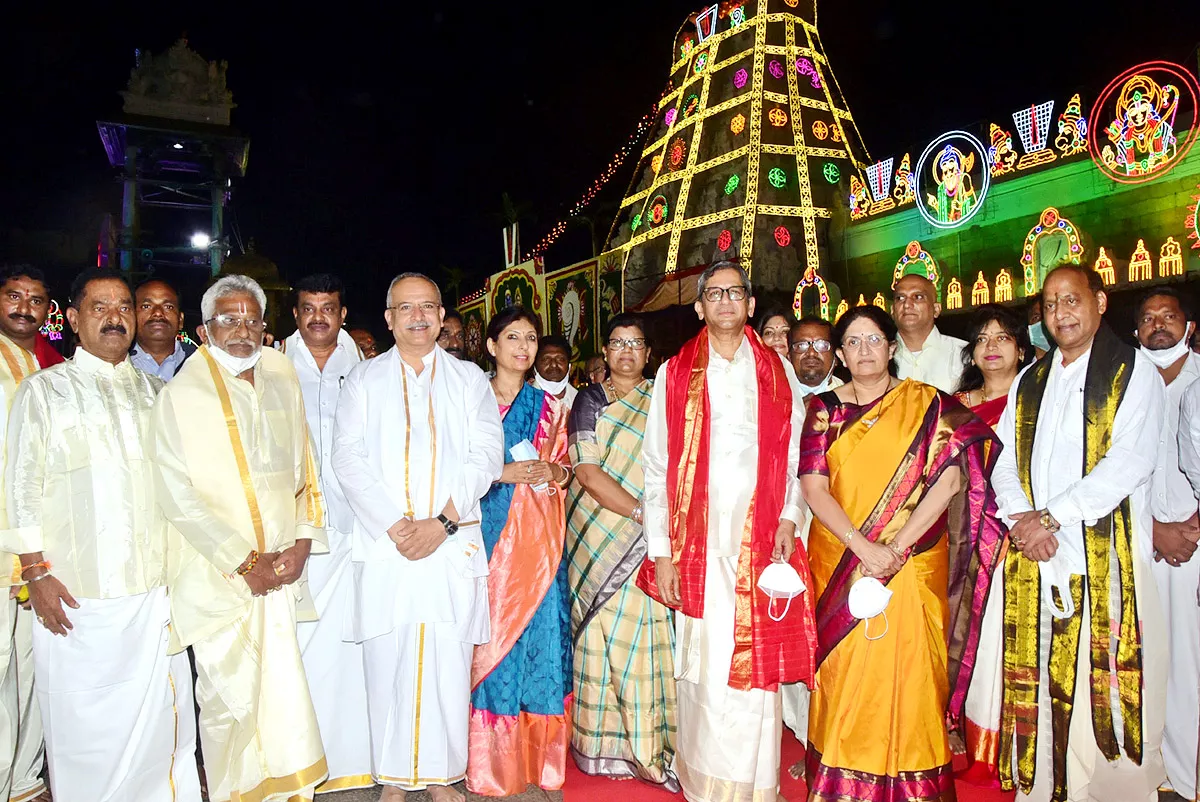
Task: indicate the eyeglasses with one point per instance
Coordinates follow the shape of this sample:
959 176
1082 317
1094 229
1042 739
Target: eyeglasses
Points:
715 294
871 341
820 346
427 308
252 325
634 343
1003 338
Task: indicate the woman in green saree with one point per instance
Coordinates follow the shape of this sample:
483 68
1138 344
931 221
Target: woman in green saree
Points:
623 720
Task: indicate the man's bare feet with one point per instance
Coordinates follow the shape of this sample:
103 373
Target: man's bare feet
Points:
392 794
445 793
797 770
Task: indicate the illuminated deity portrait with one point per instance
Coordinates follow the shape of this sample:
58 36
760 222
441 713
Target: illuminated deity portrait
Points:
1001 154
860 200
955 194
1142 135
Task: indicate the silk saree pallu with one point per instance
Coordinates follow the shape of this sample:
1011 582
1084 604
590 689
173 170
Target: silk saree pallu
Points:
623 720
885 695
521 678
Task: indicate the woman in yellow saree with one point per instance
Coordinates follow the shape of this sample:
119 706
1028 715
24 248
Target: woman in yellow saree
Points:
896 474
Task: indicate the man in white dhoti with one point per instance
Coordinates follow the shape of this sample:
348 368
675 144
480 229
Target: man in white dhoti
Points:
923 353
1164 327
24 305
239 484
1082 710
417 443
323 354
116 709
727 404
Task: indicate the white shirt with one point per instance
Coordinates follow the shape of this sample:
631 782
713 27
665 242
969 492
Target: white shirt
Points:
79 481
1056 473
148 364
733 454
383 412
1172 497
1189 436
939 362
321 389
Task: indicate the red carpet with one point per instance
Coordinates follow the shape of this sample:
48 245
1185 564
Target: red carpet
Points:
582 788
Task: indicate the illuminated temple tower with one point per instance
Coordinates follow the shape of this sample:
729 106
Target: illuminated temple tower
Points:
752 152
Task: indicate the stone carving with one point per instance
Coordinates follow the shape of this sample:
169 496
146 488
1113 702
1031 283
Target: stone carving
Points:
179 85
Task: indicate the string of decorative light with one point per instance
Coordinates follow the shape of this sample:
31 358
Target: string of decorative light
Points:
614 164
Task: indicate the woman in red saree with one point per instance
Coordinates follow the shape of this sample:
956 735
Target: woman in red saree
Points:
882 461
997 349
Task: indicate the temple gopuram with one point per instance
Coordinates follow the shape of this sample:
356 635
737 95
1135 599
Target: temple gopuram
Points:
752 155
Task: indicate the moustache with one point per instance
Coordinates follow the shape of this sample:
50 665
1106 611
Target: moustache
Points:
114 328
418 326
157 321
19 316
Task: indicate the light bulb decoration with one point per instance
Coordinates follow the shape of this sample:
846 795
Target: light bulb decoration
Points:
52 329
1002 159
980 292
1004 287
1072 129
811 279
1192 221
1140 267
1170 259
952 179
954 296
1104 266
1033 125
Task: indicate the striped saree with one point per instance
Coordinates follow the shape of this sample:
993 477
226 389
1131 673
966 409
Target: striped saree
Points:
623 720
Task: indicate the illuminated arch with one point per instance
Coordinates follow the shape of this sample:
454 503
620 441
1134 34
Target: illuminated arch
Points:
1104 266
1140 267
842 309
917 260
811 279
880 301
1051 222
1170 259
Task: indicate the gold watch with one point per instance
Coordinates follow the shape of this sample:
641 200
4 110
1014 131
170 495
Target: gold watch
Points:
1047 521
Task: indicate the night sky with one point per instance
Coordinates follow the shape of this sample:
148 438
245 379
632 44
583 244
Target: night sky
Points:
384 144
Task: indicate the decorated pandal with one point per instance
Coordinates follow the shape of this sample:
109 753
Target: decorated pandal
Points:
752 155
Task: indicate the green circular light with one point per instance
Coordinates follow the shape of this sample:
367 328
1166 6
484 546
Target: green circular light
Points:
777 177
732 184
832 173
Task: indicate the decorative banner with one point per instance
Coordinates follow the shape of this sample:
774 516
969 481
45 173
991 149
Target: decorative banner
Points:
1148 122
572 309
514 286
608 289
952 179
474 327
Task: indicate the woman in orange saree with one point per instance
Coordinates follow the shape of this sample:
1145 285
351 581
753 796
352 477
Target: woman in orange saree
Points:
521 678
881 463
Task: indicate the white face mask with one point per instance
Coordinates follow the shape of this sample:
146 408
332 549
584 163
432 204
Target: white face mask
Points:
868 598
1169 356
1056 578
780 581
554 388
236 365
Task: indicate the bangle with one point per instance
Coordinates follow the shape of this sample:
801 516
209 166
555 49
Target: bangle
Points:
903 553
39 577
846 538
249 564
43 564
637 513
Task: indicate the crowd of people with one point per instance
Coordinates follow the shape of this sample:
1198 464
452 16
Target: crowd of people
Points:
965 559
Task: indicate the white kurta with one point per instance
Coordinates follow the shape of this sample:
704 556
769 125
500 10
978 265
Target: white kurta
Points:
20 719
333 663
1178 587
404 445
1059 486
117 711
728 742
939 362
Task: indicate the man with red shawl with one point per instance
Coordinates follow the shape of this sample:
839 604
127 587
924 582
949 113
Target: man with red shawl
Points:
727 409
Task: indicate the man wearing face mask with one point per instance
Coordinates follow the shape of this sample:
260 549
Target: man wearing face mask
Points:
810 346
1081 440
1037 331
240 487
552 369
82 517
1164 328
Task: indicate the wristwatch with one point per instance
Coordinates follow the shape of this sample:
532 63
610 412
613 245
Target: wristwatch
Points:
451 526
1047 521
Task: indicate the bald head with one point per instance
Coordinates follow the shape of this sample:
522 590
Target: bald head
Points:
915 307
